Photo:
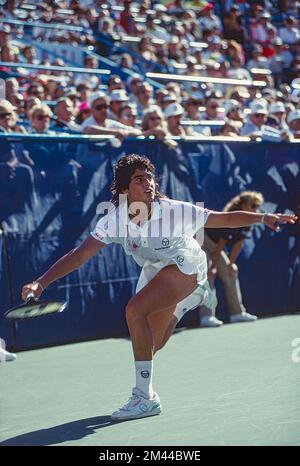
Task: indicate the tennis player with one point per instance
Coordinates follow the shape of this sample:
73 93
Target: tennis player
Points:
159 233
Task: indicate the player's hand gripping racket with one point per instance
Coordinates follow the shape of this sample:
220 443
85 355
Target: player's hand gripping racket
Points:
34 308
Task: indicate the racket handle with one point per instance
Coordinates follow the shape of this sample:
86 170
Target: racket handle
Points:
30 297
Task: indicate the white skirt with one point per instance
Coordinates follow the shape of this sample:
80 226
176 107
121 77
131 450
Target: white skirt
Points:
202 295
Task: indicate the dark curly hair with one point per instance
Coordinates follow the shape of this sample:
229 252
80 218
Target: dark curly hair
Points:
124 169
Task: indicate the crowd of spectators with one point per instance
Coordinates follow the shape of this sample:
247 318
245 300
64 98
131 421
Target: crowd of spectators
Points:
252 41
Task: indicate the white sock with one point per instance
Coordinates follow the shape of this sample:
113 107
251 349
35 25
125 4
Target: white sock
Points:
143 374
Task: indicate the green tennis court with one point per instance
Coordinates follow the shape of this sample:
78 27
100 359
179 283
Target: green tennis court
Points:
234 385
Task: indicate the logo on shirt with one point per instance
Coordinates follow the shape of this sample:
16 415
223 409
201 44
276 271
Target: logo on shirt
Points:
180 259
145 374
165 242
101 237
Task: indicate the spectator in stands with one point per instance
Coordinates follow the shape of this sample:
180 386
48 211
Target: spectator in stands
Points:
9 118
40 117
84 92
173 114
213 110
144 97
29 54
224 265
192 108
92 80
153 123
36 90
99 123
133 83
167 100
83 113
289 33
146 50
126 61
238 71
9 54
231 128
233 110
258 28
208 20
73 96
28 104
17 100
65 116
233 28
256 125
118 97
127 115
235 50
4 35
11 87
114 83
277 109
293 120
257 119
257 60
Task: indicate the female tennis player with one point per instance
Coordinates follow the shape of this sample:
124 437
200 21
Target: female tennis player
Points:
159 233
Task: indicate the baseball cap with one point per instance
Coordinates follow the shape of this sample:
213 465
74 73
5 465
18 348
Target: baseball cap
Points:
292 116
258 107
118 95
6 106
276 107
295 96
230 105
97 95
173 110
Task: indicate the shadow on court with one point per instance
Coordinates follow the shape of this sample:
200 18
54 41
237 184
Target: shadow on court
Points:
74 430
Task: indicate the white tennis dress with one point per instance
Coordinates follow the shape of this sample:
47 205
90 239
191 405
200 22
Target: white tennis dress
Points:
166 238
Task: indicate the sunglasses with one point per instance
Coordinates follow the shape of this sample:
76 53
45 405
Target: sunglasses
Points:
130 115
155 117
255 206
42 117
100 107
259 115
5 114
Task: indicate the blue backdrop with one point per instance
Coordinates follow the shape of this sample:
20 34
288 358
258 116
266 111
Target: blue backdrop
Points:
49 190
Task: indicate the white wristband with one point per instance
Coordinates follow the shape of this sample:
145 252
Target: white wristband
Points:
262 220
38 284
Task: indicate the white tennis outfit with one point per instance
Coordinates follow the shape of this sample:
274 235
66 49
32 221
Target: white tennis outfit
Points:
166 238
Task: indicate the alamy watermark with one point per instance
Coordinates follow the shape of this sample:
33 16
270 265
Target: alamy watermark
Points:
296 351
169 219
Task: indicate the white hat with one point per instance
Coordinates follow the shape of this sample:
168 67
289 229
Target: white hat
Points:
118 95
97 95
133 77
292 116
295 96
173 110
169 98
6 106
276 107
230 105
258 106
295 84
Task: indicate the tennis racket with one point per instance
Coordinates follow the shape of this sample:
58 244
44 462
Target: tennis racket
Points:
33 308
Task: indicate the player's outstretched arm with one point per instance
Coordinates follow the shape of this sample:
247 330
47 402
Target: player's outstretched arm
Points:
66 264
241 218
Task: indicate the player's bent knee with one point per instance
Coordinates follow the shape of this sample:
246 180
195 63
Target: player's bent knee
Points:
133 313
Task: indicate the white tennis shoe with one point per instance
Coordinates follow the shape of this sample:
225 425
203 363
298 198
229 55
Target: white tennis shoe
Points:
138 407
6 355
243 317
